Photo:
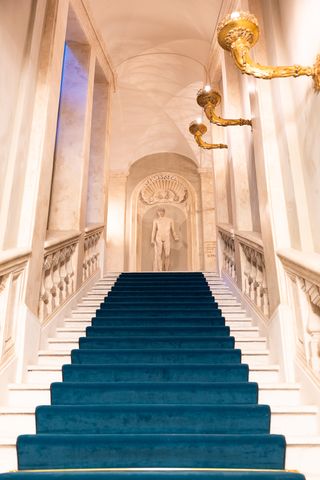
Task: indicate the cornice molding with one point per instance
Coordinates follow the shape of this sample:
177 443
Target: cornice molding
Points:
86 18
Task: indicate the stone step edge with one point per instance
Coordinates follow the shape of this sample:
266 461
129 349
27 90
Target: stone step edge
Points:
54 368
262 386
81 329
67 352
275 409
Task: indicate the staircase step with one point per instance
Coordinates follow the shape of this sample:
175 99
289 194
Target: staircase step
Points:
264 373
106 393
52 373
8 454
186 356
290 420
144 331
205 451
28 395
151 419
156 373
56 358
158 332
75 332
279 394
17 421
157 322
43 374
141 342
303 453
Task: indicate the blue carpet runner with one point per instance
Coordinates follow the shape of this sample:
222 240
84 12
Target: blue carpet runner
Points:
156 391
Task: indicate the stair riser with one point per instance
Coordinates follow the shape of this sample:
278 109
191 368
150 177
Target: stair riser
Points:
157 373
57 360
263 376
86 322
73 336
46 377
29 398
166 451
305 458
284 423
290 424
279 397
69 345
137 343
148 419
8 458
17 424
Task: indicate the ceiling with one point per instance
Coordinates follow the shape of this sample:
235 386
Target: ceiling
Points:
159 50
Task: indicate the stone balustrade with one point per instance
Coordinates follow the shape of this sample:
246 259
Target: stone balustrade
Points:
253 271
91 251
303 282
13 267
243 261
58 272
227 246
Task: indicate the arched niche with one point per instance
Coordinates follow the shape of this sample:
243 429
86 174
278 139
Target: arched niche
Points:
178 197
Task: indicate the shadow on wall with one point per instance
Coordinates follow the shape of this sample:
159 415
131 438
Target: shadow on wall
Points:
179 249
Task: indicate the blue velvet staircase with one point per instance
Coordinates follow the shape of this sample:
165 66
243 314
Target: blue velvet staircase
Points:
155 391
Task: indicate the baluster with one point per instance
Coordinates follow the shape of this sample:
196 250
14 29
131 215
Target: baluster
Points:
85 260
46 285
70 268
67 278
55 280
62 276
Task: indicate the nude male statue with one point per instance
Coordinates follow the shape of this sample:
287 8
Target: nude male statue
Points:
160 239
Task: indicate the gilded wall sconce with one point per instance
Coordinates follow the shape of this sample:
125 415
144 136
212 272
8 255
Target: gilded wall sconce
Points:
208 99
239 32
197 129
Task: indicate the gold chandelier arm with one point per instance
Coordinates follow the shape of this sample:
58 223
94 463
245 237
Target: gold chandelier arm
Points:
239 32
240 51
222 122
205 145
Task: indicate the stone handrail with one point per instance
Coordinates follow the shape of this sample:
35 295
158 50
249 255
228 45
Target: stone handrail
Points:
254 280
92 237
58 272
303 276
227 246
13 267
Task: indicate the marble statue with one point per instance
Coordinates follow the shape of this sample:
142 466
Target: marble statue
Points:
160 238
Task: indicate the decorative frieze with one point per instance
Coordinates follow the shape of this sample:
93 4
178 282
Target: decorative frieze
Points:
163 188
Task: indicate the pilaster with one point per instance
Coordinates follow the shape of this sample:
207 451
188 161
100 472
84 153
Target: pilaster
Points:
208 219
116 221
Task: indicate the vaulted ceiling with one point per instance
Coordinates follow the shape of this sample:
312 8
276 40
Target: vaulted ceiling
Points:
160 51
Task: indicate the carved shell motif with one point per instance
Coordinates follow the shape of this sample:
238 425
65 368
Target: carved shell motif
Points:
163 188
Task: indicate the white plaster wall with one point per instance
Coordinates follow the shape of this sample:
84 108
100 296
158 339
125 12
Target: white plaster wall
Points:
20 39
300 21
292 32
